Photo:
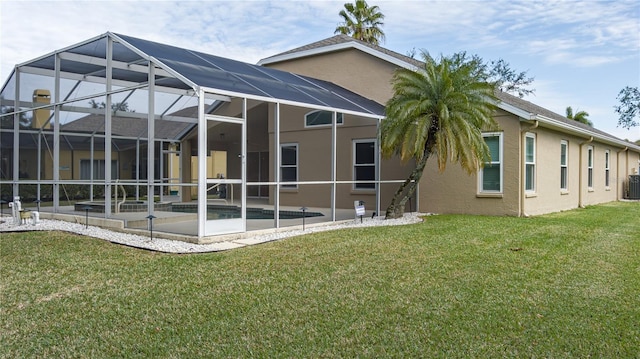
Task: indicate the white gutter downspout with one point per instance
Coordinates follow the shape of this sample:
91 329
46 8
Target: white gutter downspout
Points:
522 166
626 170
580 181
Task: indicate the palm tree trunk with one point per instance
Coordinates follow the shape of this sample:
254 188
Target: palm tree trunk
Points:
408 187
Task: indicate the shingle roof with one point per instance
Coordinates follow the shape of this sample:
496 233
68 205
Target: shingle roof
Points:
342 39
538 110
127 127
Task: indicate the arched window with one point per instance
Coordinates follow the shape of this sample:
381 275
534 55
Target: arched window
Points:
320 118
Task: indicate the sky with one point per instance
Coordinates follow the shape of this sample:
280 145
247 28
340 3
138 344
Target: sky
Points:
580 53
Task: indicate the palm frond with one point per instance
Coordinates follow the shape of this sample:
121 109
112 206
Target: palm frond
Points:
362 22
441 109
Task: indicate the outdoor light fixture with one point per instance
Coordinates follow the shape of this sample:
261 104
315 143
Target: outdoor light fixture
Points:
304 215
150 218
86 208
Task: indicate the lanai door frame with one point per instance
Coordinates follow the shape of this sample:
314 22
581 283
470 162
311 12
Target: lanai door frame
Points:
219 226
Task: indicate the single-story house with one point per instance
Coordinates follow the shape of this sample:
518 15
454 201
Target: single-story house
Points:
239 147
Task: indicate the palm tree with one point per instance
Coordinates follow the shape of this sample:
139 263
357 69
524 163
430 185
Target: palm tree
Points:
362 22
438 109
580 116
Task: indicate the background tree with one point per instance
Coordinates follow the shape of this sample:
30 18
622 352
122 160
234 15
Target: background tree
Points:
411 53
440 109
7 121
629 108
509 80
362 22
580 116
500 73
118 106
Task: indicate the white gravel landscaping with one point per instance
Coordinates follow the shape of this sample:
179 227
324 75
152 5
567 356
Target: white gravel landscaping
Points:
173 246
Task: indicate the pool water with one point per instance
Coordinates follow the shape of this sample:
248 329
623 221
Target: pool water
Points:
229 212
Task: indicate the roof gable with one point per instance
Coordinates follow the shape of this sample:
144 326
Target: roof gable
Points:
342 42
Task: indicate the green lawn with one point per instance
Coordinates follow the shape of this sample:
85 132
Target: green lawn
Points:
559 285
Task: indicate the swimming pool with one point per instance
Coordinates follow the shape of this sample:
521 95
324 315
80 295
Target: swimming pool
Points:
228 212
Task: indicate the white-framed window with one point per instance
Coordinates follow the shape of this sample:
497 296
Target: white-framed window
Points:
365 154
530 162
98 169
321 118
490 176
564 164
606 168
289 164
590 167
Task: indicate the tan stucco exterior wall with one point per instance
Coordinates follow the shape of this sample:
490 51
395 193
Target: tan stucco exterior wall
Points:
622 164
629 165
351 69
314 160
549 197
362 74
455 191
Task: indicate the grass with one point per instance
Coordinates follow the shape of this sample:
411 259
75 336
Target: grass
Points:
560 285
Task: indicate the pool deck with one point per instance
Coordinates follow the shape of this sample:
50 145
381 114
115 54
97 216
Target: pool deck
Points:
183 226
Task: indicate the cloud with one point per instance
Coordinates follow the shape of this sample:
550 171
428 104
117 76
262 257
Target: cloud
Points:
255 29
583 60
598 31
587 33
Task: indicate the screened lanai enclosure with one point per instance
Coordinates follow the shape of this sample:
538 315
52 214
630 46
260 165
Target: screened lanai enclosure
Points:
122 129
